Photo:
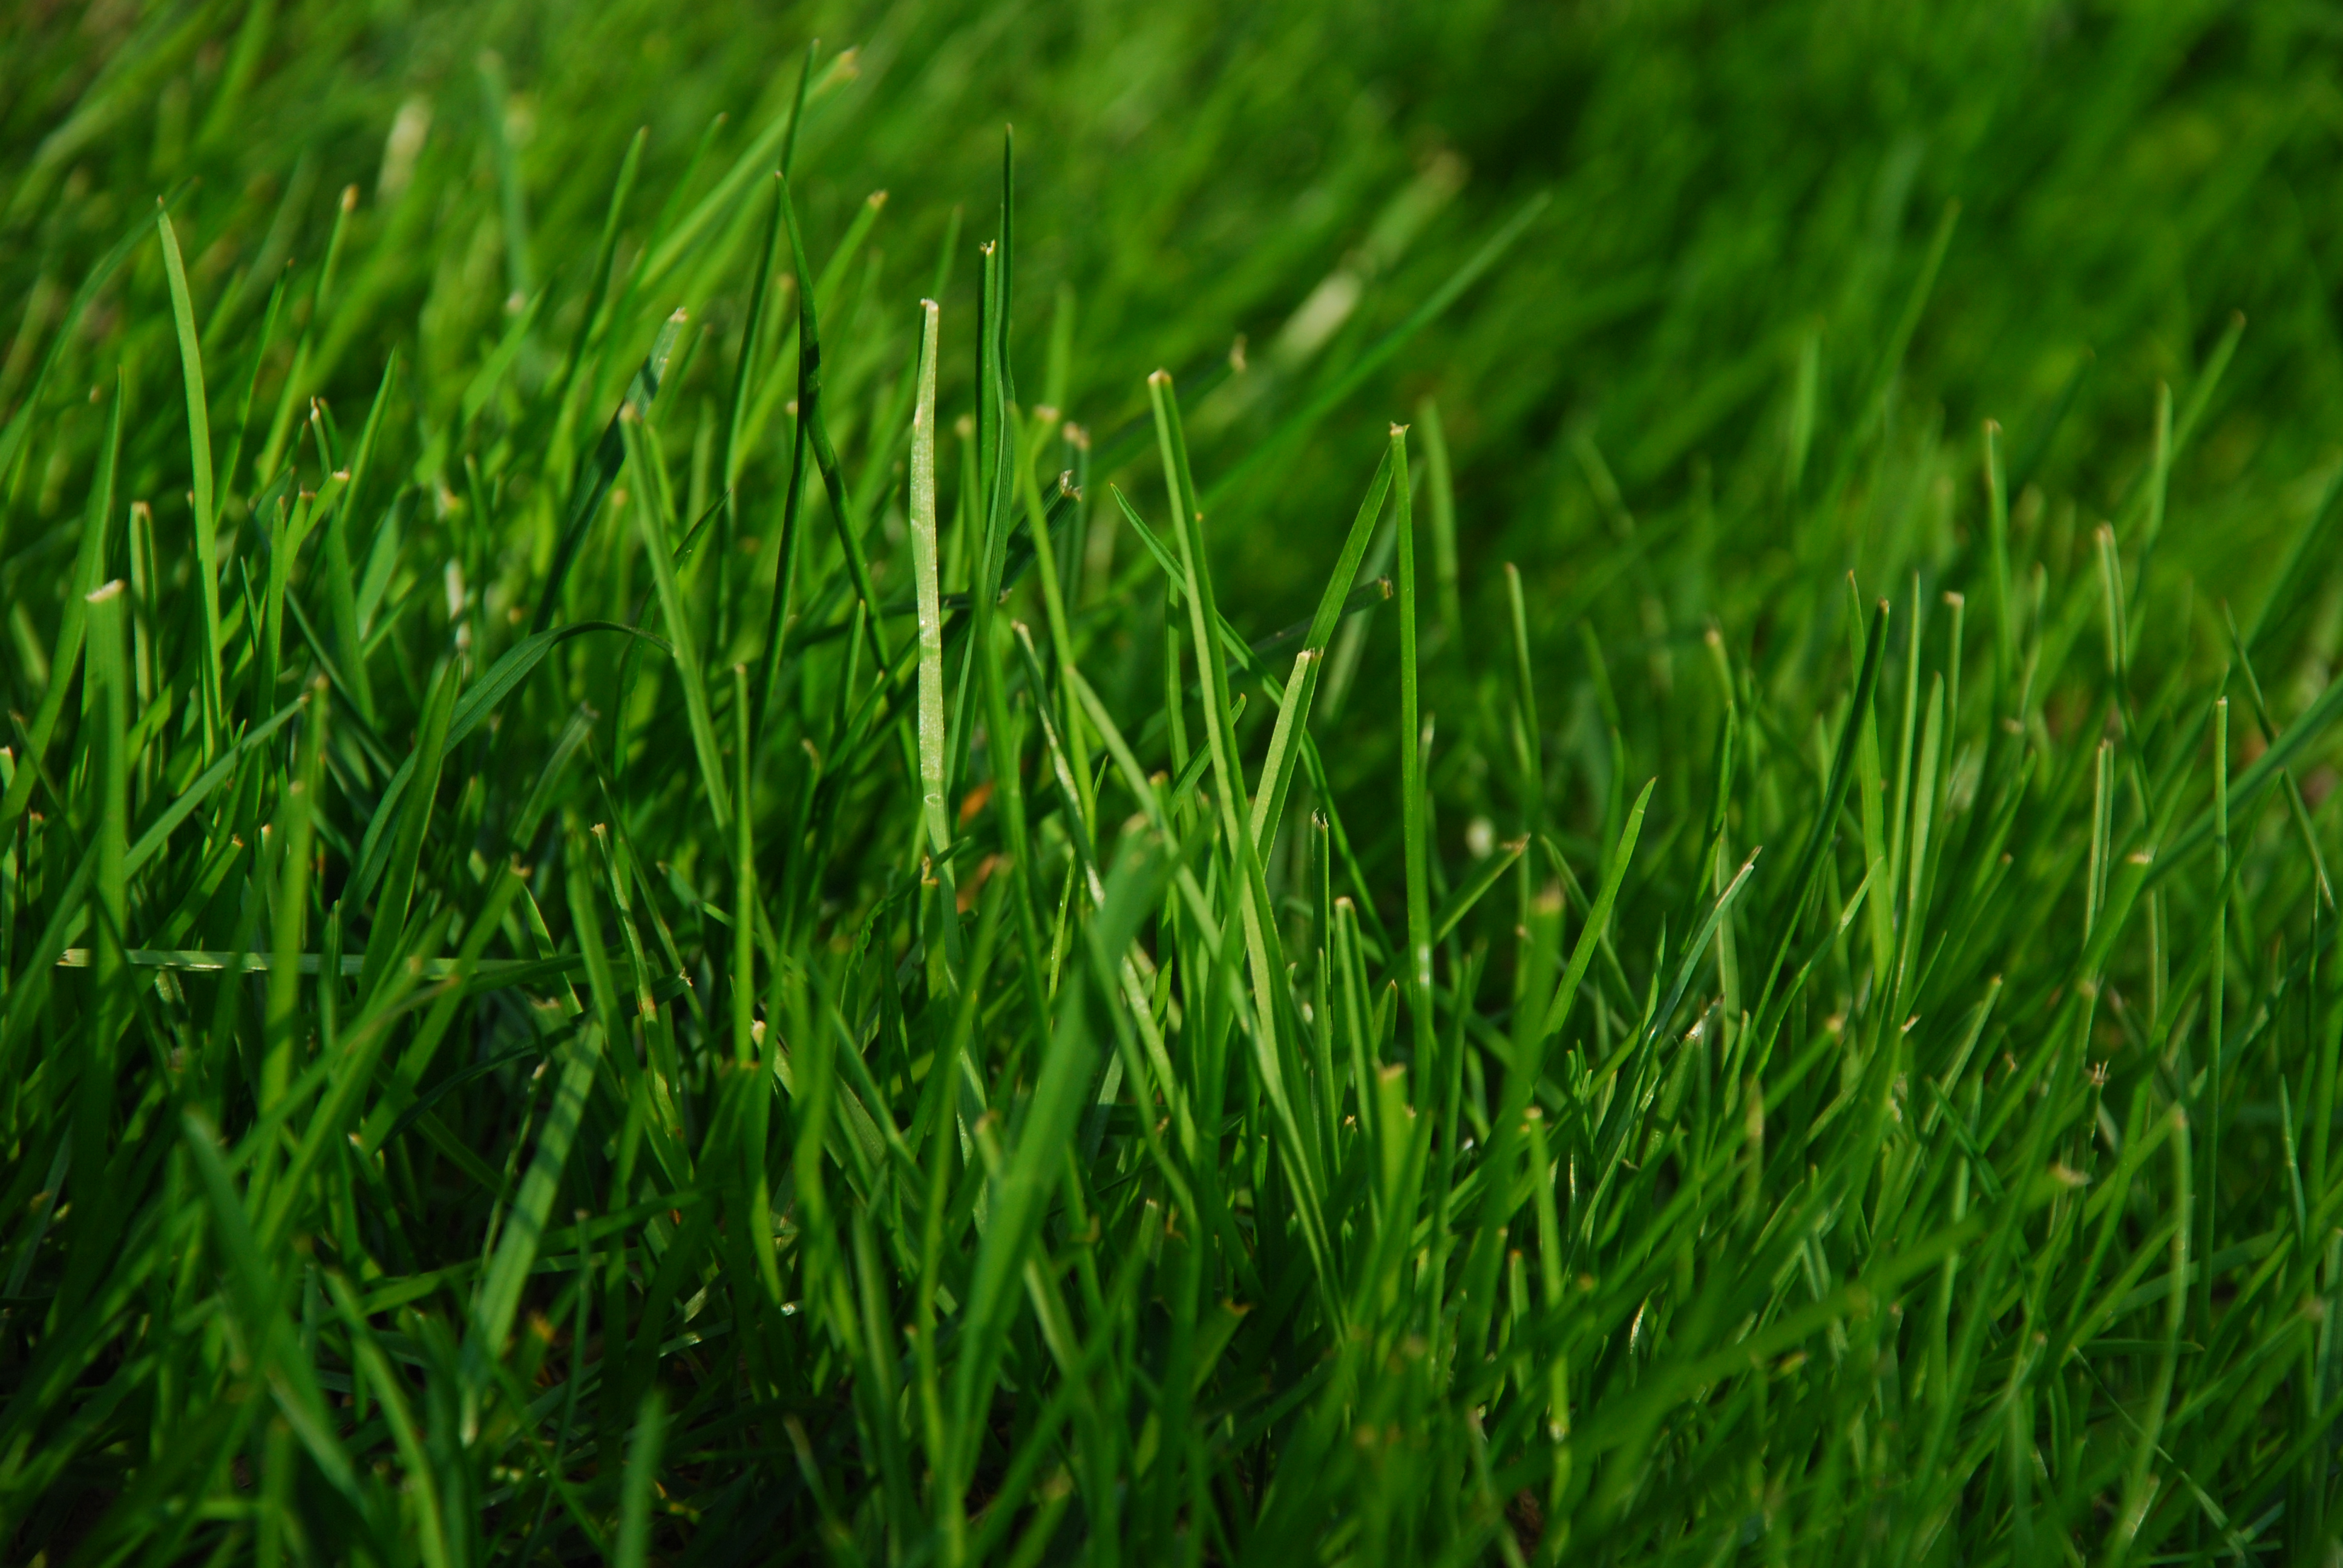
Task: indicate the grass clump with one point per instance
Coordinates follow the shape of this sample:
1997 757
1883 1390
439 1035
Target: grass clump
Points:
678 920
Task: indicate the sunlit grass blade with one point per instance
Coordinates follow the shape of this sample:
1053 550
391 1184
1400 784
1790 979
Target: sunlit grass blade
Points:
199 442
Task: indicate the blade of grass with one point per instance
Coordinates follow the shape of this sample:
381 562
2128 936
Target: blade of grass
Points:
200 444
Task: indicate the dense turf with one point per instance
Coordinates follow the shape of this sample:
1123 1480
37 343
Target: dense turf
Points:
662 903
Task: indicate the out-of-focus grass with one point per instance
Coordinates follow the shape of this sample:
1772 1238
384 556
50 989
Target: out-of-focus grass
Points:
1726 186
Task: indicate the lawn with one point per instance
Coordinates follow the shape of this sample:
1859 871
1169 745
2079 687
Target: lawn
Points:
1047 783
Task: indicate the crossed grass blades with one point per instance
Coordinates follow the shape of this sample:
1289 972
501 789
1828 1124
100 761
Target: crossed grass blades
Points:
559 1009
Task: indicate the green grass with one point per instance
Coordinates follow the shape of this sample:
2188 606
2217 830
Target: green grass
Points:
711 914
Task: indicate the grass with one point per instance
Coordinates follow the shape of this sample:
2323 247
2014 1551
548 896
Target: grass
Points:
693 873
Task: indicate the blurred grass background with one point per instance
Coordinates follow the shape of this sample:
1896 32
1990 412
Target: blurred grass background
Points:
1733 189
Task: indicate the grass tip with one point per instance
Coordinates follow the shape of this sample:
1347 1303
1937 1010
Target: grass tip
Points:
349 199
101 595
